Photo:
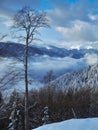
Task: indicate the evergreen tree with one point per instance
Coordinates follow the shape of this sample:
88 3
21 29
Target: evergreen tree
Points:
45 119
15 117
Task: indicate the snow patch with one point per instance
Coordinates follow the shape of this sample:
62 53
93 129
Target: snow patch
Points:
73 124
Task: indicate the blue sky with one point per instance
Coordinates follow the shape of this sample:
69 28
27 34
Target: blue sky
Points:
74 23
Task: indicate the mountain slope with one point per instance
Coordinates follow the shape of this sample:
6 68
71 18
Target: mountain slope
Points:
84 77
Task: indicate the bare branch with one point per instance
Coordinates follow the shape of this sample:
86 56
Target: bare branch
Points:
29 21
15 75
6 76
30 107
2 36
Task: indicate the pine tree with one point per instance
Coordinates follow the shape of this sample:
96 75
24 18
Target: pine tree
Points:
45 119
15 117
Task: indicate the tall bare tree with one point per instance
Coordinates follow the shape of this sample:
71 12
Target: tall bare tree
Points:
28 21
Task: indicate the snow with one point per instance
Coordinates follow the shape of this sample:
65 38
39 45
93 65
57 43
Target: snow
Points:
72 124
84 77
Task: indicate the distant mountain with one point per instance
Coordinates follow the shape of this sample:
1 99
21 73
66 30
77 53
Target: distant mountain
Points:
10 49
85 77
44 58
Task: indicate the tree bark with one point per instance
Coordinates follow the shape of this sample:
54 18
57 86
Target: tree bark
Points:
26 86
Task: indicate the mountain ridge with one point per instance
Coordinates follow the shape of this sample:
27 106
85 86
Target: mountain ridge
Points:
9 49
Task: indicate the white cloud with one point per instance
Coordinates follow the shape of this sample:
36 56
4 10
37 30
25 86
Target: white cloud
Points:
8 23
80 31
4 16
65 12
76 22
91 59
93 17
39 66
44 64
76 44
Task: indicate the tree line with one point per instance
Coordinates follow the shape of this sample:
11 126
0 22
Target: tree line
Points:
48 105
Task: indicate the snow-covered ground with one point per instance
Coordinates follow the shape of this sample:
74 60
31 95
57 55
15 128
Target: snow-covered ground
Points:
73 124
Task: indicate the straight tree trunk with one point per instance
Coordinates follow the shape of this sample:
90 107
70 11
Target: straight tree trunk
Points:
26 86
29 21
